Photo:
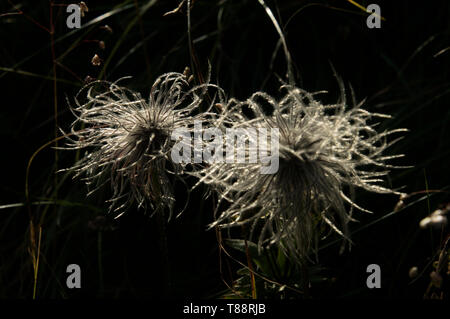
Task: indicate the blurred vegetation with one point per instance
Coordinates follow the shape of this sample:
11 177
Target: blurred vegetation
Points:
401 69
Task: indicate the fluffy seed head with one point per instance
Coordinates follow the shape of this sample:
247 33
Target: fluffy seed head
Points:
127 140
325 151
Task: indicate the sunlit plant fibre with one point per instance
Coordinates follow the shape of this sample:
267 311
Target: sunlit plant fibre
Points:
325 152
127 139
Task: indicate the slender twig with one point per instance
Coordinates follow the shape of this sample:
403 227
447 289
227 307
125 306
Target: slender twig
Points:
290 73
29 17
144 46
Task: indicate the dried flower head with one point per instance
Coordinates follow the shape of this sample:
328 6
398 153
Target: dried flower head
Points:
325 151
127 140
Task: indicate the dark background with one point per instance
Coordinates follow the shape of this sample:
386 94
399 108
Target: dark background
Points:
401 69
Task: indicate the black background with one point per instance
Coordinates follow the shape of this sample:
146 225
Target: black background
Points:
398 69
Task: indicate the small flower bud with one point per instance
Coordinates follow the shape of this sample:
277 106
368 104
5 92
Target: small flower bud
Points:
88 79
413 272
96 60
83 8
107 28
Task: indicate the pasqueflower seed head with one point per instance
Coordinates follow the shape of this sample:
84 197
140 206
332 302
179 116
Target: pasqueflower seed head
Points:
325 152
127 139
